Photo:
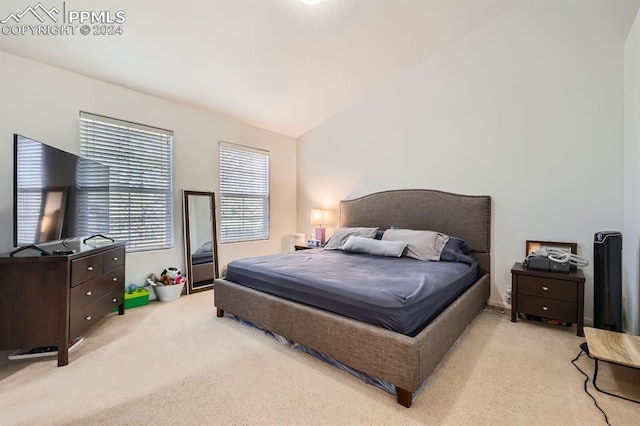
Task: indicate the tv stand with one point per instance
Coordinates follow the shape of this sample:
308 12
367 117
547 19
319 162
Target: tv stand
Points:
51 300
43 252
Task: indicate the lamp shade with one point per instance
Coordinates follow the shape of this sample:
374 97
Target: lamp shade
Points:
319 216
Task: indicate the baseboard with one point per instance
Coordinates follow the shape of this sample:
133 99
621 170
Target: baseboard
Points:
499 304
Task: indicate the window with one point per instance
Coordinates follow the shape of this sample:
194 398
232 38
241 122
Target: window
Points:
29 190
244 193
140 160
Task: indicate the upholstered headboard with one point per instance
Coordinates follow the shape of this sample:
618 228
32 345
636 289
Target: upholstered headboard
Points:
464 216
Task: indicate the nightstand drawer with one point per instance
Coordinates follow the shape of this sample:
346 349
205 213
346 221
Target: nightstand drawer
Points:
547 308
548 288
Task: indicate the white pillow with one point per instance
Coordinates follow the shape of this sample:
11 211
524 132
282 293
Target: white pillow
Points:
421 245
341 235
376 247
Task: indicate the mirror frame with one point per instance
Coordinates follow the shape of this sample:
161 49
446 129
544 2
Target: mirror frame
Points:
187 240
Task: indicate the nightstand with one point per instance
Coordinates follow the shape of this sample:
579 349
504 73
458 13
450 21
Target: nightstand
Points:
553 295
302 248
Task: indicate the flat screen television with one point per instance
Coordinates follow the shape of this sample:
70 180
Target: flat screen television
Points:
56 195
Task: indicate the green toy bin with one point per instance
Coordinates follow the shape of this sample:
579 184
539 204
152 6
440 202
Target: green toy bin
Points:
140 297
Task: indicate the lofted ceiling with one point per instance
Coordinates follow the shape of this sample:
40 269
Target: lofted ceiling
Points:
277 64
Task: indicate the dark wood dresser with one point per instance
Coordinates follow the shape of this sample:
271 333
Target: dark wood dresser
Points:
546 294
50 300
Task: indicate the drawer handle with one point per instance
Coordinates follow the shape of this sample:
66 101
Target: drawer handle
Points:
545 288
89 293
114 300
544 308
87 318
115 259
115 279
90 268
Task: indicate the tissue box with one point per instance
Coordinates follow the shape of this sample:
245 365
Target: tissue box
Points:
140 297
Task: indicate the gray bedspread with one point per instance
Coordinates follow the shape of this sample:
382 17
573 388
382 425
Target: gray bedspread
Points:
399 294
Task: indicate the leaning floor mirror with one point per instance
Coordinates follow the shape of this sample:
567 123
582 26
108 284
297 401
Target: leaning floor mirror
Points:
201 248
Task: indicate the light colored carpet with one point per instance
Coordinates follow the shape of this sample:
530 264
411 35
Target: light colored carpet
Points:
176 363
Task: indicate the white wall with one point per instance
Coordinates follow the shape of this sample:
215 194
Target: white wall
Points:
527 109
43 103
631 235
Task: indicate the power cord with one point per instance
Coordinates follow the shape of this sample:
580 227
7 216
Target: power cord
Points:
584 349
586 380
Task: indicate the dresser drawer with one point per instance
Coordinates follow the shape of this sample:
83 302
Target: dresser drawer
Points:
86 268
112 259
115 277
547 308
90 314
87 293
548 288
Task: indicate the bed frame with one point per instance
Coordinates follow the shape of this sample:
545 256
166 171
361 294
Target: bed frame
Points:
203 272
401 360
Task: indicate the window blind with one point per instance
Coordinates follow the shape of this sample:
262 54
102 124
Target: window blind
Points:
140 160
29 194
93 198
244 194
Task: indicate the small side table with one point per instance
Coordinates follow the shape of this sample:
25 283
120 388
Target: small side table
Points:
553 295
616 348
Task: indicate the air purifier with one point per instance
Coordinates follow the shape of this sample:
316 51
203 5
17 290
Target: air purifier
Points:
607 280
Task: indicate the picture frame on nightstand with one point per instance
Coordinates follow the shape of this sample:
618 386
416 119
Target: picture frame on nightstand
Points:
532 246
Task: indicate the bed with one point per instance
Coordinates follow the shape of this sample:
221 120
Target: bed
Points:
403 360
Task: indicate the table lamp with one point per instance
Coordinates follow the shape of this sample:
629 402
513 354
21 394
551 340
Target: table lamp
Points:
319 217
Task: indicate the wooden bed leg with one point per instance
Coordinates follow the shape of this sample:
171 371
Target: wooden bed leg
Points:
219 312
404 397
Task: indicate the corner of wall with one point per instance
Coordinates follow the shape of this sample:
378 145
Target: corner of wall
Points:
631 209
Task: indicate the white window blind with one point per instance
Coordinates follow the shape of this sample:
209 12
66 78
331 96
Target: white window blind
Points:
244 194
29 194
140 160
92 178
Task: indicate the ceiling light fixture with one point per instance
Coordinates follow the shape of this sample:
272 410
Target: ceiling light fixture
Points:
311 2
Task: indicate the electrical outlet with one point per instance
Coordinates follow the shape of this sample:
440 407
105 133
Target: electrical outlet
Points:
508 295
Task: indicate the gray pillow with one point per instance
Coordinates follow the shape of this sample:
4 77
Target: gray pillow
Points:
376 247
421 245
341 235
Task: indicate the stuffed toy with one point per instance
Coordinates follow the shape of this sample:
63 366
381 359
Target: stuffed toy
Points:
154 280
169 276
166 279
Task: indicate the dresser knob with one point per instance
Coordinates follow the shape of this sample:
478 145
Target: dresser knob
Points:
90 268
114 300
87 318
115 279
545 288
89 293
115 259
544 308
